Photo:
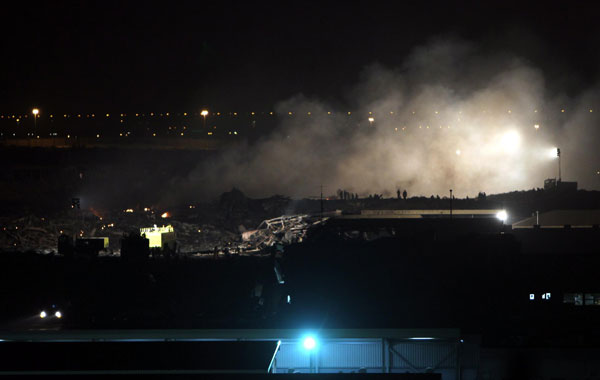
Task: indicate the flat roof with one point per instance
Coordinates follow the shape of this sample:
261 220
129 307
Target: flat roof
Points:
224 334
561 218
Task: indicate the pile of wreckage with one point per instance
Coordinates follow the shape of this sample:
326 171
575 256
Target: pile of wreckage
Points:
214 228
282 230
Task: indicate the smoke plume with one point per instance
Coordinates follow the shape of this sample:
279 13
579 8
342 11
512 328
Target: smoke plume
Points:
450 117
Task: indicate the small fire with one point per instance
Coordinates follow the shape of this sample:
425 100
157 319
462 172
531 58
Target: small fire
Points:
166 215
96 213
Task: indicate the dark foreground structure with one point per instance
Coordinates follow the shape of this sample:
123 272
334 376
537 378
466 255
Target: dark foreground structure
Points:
462 298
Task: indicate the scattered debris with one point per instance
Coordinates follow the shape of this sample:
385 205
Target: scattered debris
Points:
282 230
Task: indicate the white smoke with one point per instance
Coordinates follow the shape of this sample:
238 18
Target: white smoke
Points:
449 118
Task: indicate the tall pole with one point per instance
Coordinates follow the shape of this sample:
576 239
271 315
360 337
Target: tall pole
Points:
450 204
321 201
35 113
204 113
559 174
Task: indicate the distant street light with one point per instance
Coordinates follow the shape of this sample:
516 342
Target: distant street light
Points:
204 113
35 113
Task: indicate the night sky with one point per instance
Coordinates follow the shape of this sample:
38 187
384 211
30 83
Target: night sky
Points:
80 56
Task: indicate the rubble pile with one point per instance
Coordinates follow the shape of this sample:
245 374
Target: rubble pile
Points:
194 238
235 209
282 230
29 233
206 228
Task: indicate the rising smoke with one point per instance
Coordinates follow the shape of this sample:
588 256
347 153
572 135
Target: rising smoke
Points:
450 117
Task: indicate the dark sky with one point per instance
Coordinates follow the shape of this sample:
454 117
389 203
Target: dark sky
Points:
128 56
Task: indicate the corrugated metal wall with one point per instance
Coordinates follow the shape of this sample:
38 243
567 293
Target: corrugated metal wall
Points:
351 355
423 355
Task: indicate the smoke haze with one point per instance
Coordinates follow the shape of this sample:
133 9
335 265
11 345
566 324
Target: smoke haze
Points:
450 117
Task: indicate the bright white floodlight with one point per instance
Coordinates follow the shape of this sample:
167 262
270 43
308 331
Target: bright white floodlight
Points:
510 141
309 343
43 314
502 215
58 314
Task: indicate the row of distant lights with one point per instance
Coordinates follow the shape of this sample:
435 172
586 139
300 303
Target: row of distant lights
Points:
205 113
54 134
127 134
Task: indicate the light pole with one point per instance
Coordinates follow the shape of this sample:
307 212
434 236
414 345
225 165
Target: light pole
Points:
558 155
204 113
450 204
35 113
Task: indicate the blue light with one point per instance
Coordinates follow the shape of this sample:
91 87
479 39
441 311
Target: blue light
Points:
309 343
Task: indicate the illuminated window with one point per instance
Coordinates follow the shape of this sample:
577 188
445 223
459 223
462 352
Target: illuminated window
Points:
592 299
546 296
573 299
